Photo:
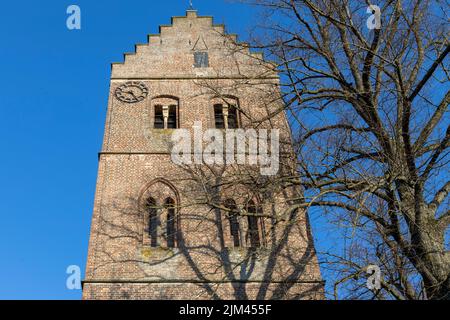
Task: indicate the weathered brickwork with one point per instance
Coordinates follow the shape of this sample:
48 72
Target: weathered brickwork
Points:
135 165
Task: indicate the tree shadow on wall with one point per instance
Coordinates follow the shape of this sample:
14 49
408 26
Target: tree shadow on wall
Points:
203 255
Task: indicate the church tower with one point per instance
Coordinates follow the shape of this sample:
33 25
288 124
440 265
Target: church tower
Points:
165 230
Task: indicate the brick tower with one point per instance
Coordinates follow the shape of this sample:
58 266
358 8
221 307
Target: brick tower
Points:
164 231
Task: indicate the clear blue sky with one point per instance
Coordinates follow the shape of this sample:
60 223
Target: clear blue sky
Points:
53 97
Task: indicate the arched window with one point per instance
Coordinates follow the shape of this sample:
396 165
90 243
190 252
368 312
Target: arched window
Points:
234 222
226 116
153 222
159 202
166 117
253 225
170 223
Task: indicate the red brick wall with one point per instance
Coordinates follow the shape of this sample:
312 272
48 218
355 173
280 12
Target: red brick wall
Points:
135 163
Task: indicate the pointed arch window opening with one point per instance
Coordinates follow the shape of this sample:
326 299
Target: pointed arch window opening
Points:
162 223
171 229
233 219
154 222
255 232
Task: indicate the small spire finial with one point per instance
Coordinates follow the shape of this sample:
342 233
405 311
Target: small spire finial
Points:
191 6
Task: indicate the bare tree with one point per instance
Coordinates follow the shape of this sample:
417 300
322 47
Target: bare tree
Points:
368 110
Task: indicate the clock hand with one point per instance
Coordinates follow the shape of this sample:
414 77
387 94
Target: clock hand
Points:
132 93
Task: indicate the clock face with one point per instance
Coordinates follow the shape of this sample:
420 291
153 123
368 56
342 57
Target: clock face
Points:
131 92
